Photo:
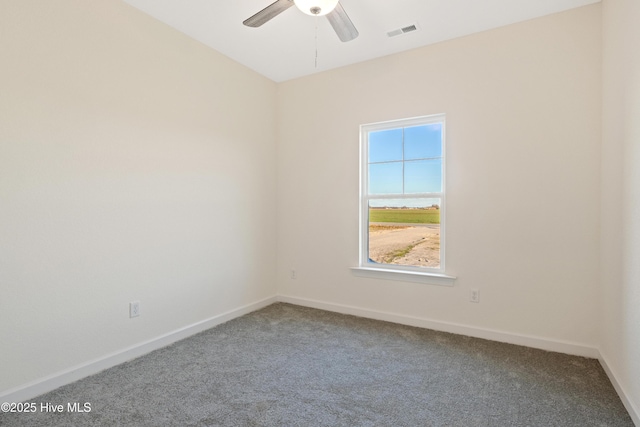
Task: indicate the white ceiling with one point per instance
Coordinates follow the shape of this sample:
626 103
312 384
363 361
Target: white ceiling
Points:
285 47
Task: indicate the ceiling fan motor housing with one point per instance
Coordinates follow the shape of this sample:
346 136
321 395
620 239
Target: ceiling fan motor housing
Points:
316 7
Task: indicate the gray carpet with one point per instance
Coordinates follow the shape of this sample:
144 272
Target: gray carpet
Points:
293 366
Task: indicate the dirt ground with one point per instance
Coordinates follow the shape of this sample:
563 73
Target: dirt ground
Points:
405 244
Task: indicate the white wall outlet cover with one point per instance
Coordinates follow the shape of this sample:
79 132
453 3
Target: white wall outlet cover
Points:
134 309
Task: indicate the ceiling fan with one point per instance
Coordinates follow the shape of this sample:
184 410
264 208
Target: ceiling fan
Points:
332 9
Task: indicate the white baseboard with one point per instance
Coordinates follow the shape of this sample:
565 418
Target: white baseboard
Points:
437 325
633 411
51 382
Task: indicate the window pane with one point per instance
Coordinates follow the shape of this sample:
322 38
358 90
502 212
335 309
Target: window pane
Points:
405 232
423 142
423 176
385 145
385 178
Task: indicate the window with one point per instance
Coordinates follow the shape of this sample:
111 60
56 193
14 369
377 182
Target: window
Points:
403 195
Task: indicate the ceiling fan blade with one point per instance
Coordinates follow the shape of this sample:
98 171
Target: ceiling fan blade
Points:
342 25
268 13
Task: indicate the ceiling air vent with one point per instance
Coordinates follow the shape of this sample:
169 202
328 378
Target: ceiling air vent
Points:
403 30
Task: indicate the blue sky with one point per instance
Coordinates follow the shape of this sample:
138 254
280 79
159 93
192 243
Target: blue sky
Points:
404 161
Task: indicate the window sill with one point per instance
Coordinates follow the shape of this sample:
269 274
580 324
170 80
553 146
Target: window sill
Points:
406 276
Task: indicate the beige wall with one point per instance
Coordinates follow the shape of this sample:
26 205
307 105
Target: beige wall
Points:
135 164
620 340
523 146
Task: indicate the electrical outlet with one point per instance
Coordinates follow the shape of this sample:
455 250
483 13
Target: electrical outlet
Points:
475 295
134 309
293 274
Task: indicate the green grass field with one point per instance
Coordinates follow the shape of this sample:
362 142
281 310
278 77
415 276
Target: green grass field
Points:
409 216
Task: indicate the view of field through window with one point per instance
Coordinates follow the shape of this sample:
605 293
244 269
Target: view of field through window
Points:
405 235
405 193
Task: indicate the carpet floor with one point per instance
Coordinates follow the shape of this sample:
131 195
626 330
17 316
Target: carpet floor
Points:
287 365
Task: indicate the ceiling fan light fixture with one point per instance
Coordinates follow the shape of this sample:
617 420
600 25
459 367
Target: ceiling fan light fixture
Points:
316 7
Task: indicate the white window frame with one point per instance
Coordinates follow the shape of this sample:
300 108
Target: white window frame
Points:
392 271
